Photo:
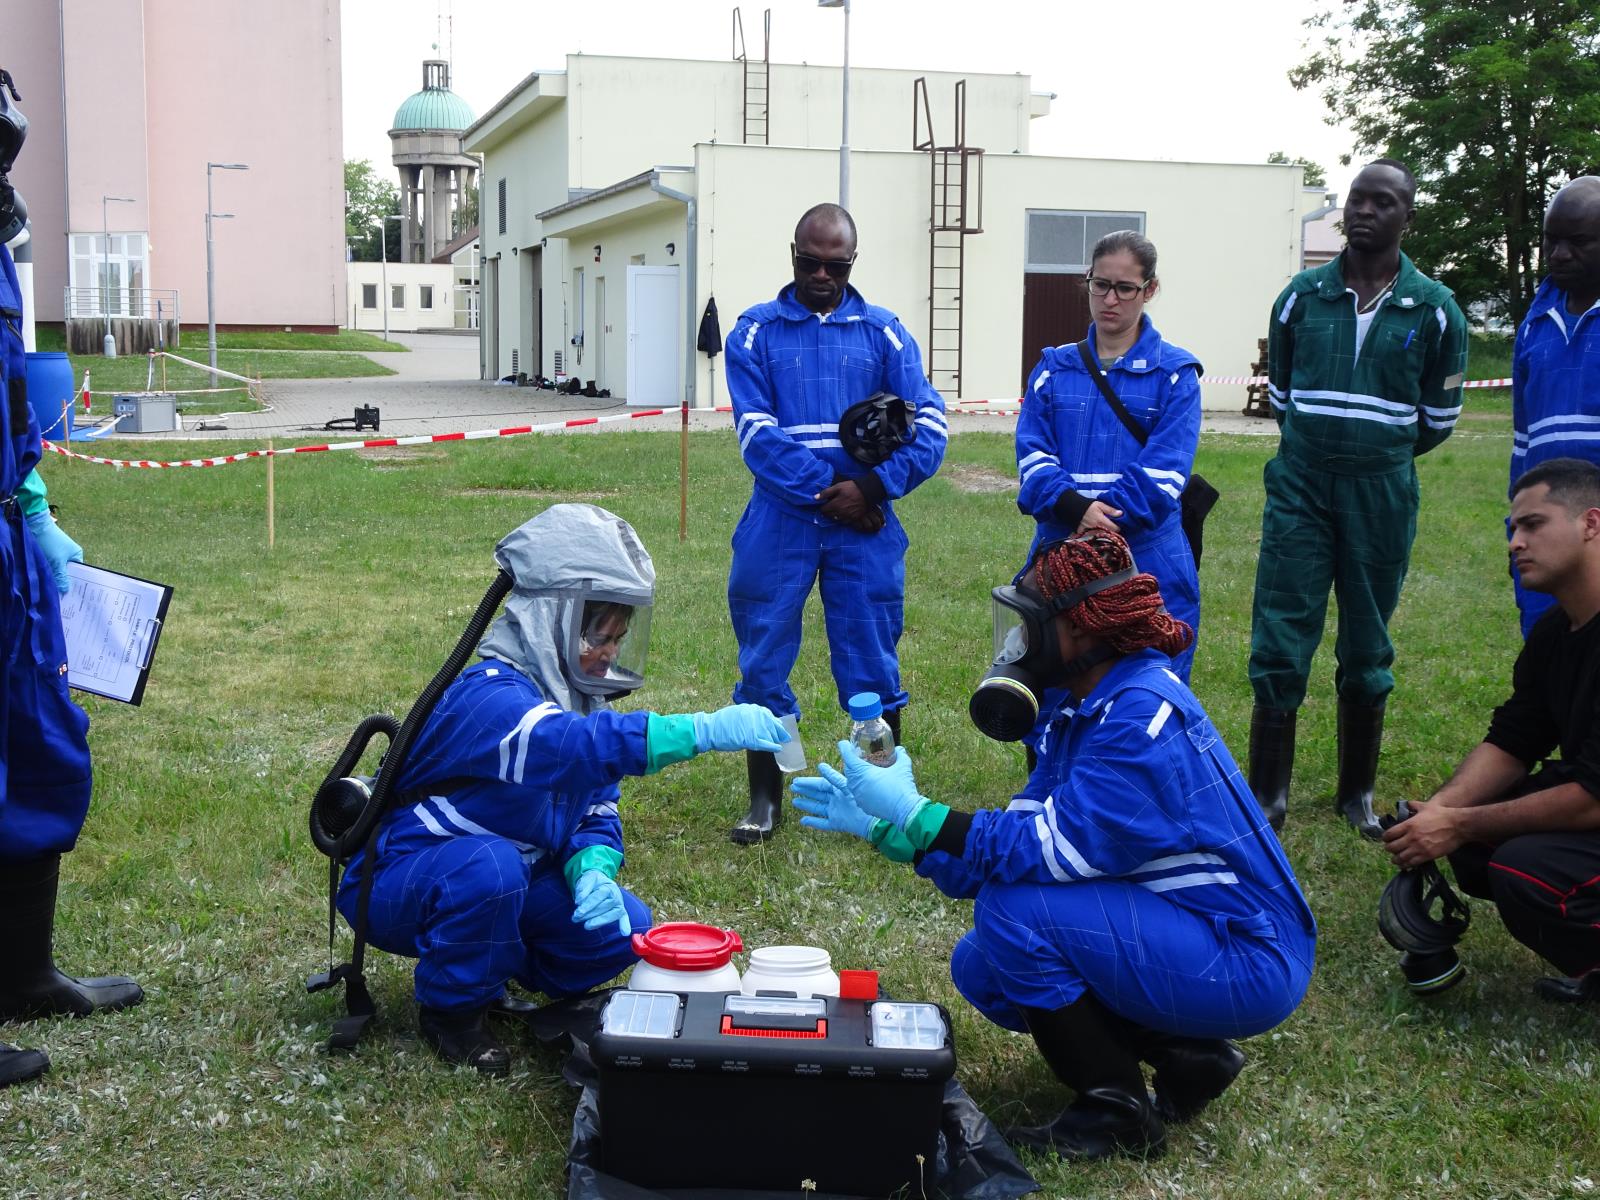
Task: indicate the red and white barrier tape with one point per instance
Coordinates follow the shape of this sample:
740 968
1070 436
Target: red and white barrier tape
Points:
1238 380
371 444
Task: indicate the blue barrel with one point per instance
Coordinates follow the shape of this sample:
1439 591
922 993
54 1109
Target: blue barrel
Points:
51 392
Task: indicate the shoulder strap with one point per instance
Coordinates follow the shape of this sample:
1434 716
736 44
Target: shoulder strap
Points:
1099 377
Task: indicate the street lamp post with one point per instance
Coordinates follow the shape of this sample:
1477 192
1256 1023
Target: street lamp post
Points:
844 136
211 290
109 346
383 246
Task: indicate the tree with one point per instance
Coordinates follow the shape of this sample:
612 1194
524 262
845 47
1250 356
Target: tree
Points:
1492 103
1313 175
368 199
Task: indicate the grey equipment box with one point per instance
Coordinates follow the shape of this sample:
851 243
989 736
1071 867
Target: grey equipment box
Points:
146 412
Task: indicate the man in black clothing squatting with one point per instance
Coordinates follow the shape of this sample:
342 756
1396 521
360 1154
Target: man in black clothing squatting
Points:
1519 828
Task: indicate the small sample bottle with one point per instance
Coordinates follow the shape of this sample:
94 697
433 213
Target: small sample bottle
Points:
870 732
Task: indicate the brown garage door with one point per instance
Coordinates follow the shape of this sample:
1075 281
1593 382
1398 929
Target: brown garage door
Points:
1055 311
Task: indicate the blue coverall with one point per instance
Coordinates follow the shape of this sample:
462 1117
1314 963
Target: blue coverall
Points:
1555 400
1135 865
792 373
1070 440
45 777
501 790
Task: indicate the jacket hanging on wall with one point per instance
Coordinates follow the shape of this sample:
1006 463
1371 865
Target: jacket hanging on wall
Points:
710 340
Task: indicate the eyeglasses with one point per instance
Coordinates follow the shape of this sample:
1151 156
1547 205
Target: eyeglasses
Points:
1123 288
836 268
599 641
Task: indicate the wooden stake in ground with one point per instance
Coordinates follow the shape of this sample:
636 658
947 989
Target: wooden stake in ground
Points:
683 473
271 497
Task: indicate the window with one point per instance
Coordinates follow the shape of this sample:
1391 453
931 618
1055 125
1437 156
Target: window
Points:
108 274
1060 241
501 191
397 296
369 295
425 295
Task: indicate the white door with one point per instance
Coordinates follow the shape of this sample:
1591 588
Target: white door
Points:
655 337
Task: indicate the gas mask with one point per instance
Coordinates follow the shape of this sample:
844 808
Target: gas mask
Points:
1027 656
13 132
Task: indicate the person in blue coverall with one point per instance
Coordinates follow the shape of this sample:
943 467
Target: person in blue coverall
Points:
795 365
1131 903
45 776
1555 366
499 859
1079 468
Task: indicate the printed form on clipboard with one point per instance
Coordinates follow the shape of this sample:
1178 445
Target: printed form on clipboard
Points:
112 623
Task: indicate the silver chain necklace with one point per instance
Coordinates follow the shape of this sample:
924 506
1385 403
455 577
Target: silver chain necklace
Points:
1363 309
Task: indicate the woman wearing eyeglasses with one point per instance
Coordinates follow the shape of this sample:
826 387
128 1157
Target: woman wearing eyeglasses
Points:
1081 469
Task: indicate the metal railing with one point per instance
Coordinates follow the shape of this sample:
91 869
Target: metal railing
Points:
149 304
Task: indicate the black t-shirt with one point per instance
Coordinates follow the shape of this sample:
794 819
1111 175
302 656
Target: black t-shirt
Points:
1555 699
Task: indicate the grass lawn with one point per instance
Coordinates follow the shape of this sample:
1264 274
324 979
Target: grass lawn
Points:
269 354
196 874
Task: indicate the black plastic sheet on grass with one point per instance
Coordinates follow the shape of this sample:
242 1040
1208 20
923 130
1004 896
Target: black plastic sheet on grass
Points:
973 1161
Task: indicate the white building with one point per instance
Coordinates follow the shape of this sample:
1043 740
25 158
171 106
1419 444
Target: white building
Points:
621 193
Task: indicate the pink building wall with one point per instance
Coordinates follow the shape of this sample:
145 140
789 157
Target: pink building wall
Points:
145 93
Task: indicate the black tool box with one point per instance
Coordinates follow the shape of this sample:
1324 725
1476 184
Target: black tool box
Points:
730 1091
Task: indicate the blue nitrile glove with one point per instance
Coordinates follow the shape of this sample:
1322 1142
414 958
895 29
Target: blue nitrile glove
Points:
57 546
738 727
888 792
600 902
830 805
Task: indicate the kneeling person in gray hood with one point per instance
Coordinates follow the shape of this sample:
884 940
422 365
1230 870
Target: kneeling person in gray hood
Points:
499 861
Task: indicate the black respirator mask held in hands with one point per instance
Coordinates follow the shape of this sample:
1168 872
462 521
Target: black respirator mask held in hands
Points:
1420 915
1027 655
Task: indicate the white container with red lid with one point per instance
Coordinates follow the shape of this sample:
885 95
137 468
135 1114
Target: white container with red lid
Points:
685 956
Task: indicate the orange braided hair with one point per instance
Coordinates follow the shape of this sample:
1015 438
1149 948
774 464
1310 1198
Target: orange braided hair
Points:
1129 615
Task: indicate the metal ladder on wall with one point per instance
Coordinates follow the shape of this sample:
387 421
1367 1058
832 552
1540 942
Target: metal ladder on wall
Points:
955 212
756 71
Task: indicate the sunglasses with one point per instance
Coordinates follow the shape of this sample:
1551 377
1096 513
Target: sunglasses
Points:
835 267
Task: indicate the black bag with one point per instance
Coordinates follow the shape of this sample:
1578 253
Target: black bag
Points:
1198 498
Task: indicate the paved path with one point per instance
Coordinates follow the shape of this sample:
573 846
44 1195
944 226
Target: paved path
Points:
436 389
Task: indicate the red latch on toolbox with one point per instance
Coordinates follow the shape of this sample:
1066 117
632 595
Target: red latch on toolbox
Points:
729 1028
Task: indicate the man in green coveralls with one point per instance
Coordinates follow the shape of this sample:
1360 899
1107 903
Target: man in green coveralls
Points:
1366 357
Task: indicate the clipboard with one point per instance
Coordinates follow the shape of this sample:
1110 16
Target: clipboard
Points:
112 624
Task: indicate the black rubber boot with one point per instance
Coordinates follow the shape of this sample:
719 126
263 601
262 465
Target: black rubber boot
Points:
1190 1072
891 718
30 985
1360 738
1111 1113
766 799
462 1037
18 1065
1272 760
507 1005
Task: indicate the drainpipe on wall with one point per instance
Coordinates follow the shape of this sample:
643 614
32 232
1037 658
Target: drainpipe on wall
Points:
1332 203
690 281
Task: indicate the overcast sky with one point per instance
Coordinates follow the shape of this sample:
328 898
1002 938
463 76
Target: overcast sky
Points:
1162 79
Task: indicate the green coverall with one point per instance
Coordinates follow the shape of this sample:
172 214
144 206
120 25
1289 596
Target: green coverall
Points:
1341 506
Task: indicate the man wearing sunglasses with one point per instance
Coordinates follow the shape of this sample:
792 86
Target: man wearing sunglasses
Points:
795 365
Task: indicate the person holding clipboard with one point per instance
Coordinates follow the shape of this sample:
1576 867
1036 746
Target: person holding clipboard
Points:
45 776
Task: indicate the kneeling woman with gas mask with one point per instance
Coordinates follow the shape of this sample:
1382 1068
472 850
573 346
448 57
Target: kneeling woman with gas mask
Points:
499 859
1131 902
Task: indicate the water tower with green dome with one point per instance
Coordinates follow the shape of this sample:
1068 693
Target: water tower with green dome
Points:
436 176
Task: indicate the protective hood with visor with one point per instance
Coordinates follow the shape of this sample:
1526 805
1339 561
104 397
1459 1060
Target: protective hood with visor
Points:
13 132
577 621
875 428
1027 653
